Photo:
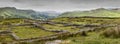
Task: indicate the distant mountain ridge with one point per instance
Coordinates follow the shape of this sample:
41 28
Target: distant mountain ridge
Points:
101 12
12 12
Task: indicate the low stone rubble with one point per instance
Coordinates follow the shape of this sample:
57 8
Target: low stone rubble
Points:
59 33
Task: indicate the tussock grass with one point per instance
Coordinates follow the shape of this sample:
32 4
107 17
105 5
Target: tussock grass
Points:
113 32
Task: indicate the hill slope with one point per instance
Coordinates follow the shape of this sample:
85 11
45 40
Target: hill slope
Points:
11 12
101 12
34 31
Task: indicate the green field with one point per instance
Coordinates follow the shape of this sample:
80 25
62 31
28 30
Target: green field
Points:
104 35
60 27
100 26
85 20
101 12
26 32
101 35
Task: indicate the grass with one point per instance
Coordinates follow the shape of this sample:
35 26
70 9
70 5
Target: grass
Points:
67 28
59 25
94 13
11 21
112 32
2 28
25 32
91 20
5 38
92 38
97 37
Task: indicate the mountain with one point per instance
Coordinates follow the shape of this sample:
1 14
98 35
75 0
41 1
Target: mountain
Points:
51 14
12 12
101 12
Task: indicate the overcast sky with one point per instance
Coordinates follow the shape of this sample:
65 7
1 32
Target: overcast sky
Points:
60 5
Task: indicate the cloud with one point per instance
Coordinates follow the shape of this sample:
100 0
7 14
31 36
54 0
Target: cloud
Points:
60 5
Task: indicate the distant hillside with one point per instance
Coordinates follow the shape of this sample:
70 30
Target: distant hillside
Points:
101 12
50 14
11 12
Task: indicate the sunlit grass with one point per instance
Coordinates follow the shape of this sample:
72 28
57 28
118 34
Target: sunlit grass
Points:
30 32
67 28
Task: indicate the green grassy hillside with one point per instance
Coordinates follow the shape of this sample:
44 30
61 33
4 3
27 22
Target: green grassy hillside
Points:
75 30
70 30
101 12
106 30
88 20
11 12
24 30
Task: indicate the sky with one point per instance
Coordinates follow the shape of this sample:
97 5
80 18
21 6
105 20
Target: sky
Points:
60 5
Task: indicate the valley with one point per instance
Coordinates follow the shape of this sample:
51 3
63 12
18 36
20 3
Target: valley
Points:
99 27
18 30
